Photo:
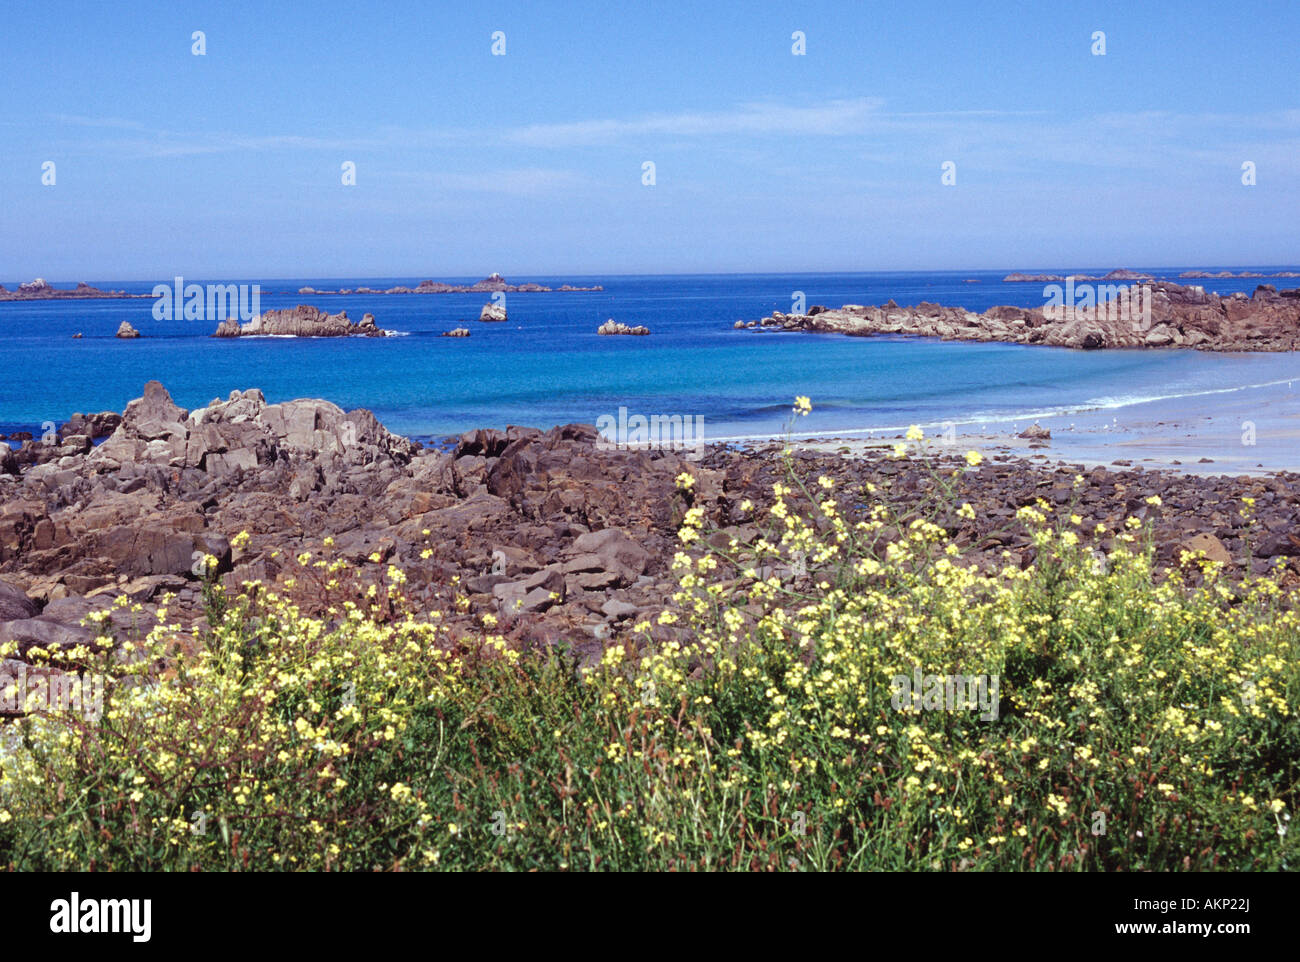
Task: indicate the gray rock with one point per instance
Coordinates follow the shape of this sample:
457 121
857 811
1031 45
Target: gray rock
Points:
617 551
618 610
44 633
15 605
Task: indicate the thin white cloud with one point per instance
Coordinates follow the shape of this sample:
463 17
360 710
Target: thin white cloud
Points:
994 140
835 117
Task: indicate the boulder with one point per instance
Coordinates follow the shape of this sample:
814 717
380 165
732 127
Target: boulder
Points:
617 551
618 610
1213 548
1279 544
15 605
125 330
94 426
153 549
43 633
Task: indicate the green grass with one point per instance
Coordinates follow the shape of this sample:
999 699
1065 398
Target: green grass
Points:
325 726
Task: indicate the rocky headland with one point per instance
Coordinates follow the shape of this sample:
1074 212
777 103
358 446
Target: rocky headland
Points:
301 321
565 541
1179 316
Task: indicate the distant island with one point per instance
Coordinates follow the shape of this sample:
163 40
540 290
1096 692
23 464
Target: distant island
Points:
1116 275
491 284
1017 277
41 290
1242 274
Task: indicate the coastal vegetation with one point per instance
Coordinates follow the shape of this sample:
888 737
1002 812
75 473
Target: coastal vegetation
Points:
328 720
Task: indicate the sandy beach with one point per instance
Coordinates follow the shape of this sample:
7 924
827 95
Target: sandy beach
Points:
1252 431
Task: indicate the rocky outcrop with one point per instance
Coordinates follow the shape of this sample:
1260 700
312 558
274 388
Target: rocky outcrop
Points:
456 332
1178 316
492 312
302 321
125 330
243 433
612 326
516 515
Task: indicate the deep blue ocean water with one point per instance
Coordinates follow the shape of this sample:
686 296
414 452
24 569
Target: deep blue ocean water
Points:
547 365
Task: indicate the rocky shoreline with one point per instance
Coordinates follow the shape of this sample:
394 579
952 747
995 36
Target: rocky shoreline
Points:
1177 316
563 540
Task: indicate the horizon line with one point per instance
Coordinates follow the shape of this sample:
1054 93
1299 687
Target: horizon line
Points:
554 275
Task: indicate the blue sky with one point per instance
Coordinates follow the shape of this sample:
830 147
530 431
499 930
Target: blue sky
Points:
228 165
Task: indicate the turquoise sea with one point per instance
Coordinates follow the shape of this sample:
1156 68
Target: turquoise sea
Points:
547 365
